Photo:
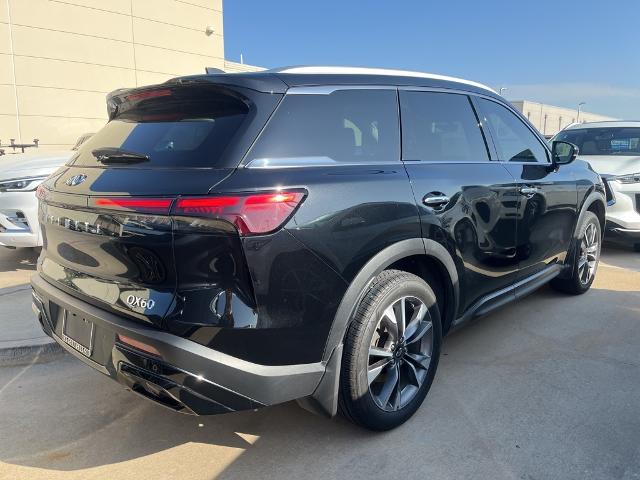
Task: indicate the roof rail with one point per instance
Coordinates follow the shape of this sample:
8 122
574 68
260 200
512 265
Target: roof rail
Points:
341 70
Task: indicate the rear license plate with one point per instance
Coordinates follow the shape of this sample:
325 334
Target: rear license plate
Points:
77 332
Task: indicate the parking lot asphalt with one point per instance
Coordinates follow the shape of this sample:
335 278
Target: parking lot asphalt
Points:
546 388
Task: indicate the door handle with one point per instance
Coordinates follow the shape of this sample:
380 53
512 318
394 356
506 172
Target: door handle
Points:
529 191
435 201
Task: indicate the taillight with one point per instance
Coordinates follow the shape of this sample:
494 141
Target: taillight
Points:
251 214
142 205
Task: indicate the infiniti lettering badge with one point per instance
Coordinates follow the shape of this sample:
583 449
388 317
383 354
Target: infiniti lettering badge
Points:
76 180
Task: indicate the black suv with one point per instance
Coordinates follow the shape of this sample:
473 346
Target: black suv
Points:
228 242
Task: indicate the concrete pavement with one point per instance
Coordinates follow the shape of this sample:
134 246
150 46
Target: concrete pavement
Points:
546 388
22 340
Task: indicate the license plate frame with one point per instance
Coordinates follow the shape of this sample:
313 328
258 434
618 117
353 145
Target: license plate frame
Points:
80 327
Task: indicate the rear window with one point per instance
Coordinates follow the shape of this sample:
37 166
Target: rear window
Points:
603 141
182 127
346 126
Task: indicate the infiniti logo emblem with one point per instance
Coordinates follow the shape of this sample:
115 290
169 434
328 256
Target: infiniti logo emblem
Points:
76 180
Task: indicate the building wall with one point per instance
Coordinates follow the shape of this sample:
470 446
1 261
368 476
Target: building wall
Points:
549 119
234 67
59 58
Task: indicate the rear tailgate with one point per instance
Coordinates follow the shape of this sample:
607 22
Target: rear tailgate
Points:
107 230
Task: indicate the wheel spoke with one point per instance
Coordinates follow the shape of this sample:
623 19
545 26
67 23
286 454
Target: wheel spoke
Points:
412 374
423 328
419 360
376 369
592 249
391 323
397 401
415 320
379 352
389 386
402 317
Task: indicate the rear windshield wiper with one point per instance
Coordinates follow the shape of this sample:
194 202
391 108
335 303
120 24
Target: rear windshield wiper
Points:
117 155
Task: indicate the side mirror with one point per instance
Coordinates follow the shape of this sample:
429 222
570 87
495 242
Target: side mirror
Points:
563 152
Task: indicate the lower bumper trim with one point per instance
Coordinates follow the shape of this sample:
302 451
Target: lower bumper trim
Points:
187 377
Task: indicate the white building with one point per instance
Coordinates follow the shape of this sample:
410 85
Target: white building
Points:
549 119
58 59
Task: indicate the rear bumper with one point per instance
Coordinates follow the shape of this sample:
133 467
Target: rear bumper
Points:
185 376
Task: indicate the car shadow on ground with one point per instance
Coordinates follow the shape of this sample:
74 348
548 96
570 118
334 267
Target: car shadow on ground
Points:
18 259
17 266
551 377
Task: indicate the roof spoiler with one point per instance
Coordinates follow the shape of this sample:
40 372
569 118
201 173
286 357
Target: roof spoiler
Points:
114 100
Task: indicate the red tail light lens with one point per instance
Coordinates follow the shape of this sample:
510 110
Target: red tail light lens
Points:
143 205
137 344
251 214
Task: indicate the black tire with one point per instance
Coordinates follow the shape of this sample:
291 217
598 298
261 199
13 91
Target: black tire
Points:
576 284
357 399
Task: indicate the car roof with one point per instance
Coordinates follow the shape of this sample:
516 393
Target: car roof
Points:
278 80
605 124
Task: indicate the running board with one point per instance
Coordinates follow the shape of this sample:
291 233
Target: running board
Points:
518 290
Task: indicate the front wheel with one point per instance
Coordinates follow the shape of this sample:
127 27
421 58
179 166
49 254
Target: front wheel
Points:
586 258
391 351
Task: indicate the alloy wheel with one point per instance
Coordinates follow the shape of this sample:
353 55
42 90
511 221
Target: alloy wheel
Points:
400 353
589 252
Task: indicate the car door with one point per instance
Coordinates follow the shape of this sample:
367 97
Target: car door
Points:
462 195
547 200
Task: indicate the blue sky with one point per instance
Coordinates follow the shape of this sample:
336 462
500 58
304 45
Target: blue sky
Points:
558 52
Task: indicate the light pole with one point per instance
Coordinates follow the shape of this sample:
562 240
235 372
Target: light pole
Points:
502 89
579 109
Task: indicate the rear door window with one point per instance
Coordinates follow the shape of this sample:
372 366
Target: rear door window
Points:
440 127
182 127
513 140
345 127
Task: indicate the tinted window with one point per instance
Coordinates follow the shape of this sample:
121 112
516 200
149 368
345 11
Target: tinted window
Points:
603 141
188 127
347 126
513 140
440 127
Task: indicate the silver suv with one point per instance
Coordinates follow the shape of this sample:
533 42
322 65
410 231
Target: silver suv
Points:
613 150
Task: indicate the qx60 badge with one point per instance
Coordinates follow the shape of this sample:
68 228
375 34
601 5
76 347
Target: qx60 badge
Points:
76 180
134 301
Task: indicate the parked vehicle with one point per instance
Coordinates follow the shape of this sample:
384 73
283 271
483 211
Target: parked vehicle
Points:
613 150
20 175
232 241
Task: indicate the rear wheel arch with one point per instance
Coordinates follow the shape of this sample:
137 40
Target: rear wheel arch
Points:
426 256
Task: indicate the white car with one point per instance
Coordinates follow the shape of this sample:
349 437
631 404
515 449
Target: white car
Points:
613 150
20 175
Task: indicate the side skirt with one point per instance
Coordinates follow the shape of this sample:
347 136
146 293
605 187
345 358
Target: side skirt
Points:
497 299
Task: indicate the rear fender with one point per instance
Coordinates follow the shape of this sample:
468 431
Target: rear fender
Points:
325 398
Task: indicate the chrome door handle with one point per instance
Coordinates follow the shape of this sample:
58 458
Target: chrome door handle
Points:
528 191
435 201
